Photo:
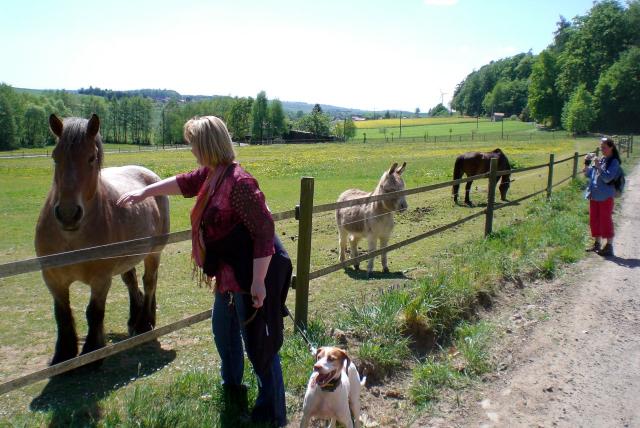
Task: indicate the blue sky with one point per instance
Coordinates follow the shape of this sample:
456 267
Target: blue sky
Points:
360 54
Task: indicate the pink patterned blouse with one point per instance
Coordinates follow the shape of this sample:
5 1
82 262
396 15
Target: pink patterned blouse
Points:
238 199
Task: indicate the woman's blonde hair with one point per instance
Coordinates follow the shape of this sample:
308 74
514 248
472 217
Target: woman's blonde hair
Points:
211 140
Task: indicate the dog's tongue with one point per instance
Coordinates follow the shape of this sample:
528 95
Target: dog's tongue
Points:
323 379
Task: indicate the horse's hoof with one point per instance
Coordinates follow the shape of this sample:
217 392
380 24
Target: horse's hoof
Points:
142 327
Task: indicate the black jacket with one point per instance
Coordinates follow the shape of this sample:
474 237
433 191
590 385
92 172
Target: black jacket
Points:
265 330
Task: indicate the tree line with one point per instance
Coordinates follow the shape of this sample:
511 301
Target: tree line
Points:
587 79
155 116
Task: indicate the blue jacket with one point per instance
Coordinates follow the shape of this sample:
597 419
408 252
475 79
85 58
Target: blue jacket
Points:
601 185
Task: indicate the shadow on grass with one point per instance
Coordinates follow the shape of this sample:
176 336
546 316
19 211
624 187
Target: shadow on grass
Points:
362 274
484 204
73 397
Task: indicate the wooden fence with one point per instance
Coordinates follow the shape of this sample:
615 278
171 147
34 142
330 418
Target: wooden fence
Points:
304 214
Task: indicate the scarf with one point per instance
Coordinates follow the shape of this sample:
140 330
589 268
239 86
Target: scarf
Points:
206 192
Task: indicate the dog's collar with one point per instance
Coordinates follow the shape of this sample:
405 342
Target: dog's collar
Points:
331 386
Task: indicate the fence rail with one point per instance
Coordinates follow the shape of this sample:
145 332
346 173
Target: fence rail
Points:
304 213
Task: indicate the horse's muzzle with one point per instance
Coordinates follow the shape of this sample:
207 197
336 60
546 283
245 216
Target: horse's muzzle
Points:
68 217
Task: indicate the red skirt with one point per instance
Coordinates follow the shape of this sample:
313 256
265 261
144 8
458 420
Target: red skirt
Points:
600 218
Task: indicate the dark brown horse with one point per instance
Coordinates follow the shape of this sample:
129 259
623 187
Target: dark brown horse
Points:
80 211
474 163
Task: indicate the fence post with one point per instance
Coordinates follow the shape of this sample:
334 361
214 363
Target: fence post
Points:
627 146
304 213
550 177
574 174
491 196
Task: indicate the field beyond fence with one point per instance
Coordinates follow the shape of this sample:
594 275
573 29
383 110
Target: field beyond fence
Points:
309 264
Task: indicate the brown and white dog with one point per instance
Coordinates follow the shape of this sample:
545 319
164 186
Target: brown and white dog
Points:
333 391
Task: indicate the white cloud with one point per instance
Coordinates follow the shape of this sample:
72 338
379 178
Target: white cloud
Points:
440 2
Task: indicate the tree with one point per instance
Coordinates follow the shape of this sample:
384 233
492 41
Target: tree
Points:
509 97
578 114
8 140
35 126
545 104
387 115
316 122
259 116
346 129
238 120
417 111
618 93
438 110
276 119
594 43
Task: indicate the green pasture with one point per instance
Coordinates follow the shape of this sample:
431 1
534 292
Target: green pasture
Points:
27 329
453 128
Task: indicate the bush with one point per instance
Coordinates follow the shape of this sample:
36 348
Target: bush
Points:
578 113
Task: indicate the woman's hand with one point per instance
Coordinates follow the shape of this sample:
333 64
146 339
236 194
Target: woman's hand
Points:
132 197
258 293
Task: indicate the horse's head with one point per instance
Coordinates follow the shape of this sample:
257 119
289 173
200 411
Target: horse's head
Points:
391 181
503 165
78 158
504 186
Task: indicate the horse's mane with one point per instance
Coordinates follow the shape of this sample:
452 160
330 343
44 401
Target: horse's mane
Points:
74 133
502 157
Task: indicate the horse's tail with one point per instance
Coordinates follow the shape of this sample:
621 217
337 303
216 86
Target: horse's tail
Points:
457 173
457 168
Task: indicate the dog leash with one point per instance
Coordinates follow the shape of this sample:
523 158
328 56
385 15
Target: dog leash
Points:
312 347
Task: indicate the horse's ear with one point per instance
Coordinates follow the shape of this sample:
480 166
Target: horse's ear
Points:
393 167
56 125
400 170
93 126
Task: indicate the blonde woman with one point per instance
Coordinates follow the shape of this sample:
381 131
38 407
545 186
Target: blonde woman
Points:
233 241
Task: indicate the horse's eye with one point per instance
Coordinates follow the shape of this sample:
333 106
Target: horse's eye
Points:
91 159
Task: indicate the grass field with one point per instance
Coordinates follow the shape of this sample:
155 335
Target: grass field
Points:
453 128
185 363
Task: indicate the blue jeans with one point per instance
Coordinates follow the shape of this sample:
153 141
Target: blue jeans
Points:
228 333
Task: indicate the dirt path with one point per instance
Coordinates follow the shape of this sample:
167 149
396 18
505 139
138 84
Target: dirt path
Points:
573 357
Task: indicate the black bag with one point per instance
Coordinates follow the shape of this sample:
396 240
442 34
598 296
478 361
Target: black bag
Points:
619 183
264 327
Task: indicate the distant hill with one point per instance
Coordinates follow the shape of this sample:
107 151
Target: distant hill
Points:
162 95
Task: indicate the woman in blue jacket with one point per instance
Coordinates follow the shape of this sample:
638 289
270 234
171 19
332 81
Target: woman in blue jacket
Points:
602 174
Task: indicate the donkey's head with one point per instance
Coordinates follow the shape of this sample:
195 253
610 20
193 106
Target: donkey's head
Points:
78 158
391 181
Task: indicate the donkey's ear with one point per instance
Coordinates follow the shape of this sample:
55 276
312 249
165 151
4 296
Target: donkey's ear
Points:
393 167
93 126
56 125
400 170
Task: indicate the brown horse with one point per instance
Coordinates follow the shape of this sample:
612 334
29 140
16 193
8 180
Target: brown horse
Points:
474 163
80 211
374 220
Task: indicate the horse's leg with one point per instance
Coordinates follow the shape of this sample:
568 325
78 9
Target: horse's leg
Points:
67 341
147 319
95 315
467 189
372 247
135 298
343 236
384 241
353 242
456 187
